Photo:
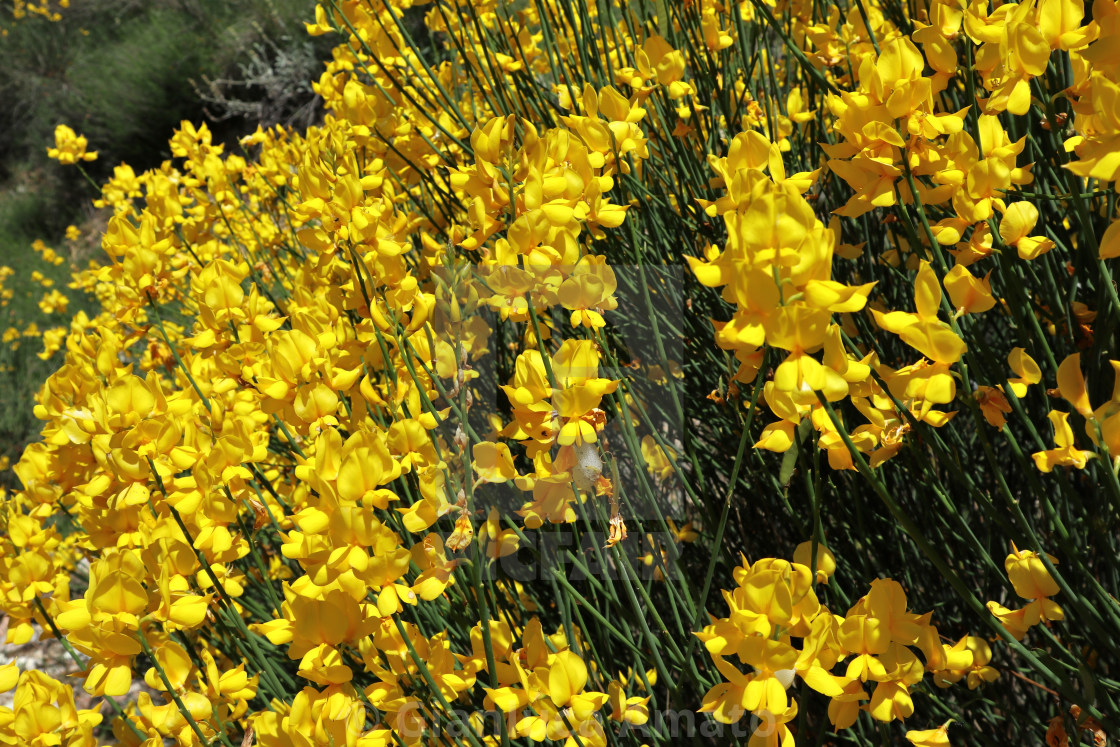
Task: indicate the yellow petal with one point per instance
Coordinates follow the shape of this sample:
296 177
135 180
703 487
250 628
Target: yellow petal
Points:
566 677
9 675
968 293
927 292
1071 384
1110 241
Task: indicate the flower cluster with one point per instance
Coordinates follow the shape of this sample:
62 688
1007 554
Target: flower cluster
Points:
384 426
778 629
43 712
69 147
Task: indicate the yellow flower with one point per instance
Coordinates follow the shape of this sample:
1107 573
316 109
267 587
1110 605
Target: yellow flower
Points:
69 147
1065 454
923 331
1028 574
1031 580
657 461
1019 220
631 710
968 294
54 302
1026 371
993 405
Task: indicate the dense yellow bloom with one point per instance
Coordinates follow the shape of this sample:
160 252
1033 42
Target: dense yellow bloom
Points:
774 604
342 388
